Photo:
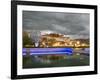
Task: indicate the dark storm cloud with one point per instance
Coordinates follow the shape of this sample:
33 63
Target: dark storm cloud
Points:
66 23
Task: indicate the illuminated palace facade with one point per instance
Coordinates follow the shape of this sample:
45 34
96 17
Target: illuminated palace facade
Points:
58 40
55 40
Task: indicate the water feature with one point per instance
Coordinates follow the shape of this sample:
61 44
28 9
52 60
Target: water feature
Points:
35 36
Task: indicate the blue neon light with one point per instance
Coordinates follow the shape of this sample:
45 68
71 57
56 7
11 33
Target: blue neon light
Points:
41 51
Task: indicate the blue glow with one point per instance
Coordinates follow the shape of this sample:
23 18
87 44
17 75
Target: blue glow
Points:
42 51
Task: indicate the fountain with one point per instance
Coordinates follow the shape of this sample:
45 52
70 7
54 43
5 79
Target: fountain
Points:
35 36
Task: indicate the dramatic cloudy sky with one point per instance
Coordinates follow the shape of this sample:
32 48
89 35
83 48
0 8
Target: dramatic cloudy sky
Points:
64 23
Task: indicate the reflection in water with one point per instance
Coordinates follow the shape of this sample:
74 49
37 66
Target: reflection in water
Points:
79 57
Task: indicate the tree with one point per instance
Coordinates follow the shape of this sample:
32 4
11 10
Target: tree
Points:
26 39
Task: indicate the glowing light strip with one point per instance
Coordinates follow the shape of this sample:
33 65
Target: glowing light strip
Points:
41 51
51 53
